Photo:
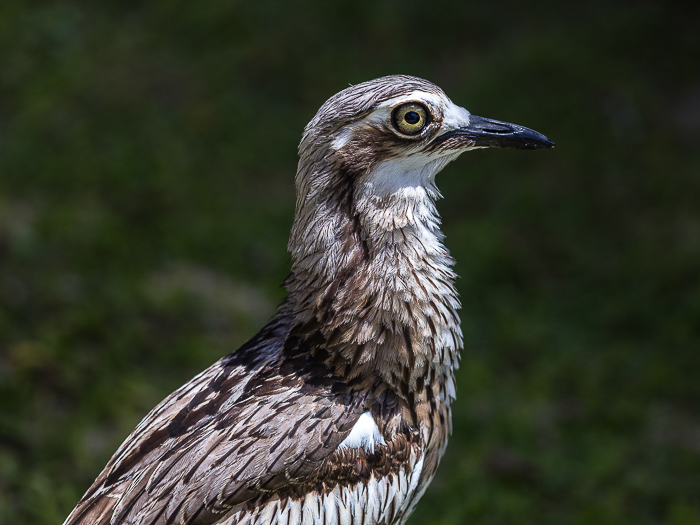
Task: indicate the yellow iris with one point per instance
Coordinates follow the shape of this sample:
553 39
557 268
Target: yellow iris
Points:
410 119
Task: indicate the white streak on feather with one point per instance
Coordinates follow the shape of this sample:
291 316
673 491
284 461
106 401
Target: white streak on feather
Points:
364 434
330 507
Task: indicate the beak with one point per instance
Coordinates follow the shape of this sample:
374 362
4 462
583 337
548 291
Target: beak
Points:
486 133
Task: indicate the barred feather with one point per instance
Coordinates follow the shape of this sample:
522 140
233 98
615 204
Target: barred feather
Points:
369 327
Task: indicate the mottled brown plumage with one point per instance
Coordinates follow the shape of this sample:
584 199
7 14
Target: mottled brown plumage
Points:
338 411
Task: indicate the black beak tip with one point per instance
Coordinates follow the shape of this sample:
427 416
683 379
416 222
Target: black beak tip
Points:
530 139
546 143
526 140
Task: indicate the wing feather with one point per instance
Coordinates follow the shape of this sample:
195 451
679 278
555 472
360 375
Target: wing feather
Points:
245 426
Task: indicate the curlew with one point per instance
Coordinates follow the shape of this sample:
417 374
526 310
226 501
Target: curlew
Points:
338 411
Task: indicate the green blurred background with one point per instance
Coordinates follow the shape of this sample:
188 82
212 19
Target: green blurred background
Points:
147 156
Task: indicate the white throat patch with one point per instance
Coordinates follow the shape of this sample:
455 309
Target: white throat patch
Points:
364 434
406 175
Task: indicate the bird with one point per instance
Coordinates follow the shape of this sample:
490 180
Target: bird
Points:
339 410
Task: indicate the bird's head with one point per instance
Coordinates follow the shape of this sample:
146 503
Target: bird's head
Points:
381 143
399 131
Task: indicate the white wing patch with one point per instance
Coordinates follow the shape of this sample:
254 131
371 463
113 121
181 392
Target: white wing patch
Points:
364 434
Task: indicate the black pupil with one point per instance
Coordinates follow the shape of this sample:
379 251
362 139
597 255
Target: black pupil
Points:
412 117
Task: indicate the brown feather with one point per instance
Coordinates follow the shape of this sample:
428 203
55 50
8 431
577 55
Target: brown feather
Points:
369 326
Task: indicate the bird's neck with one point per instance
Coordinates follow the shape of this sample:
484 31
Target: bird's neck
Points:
372 290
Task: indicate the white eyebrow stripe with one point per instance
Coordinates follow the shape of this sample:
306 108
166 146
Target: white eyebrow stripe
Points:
415 96
365 434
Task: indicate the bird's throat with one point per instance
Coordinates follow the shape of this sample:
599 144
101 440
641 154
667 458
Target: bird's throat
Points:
372 289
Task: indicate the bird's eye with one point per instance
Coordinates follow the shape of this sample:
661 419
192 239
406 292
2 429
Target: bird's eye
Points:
410 119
